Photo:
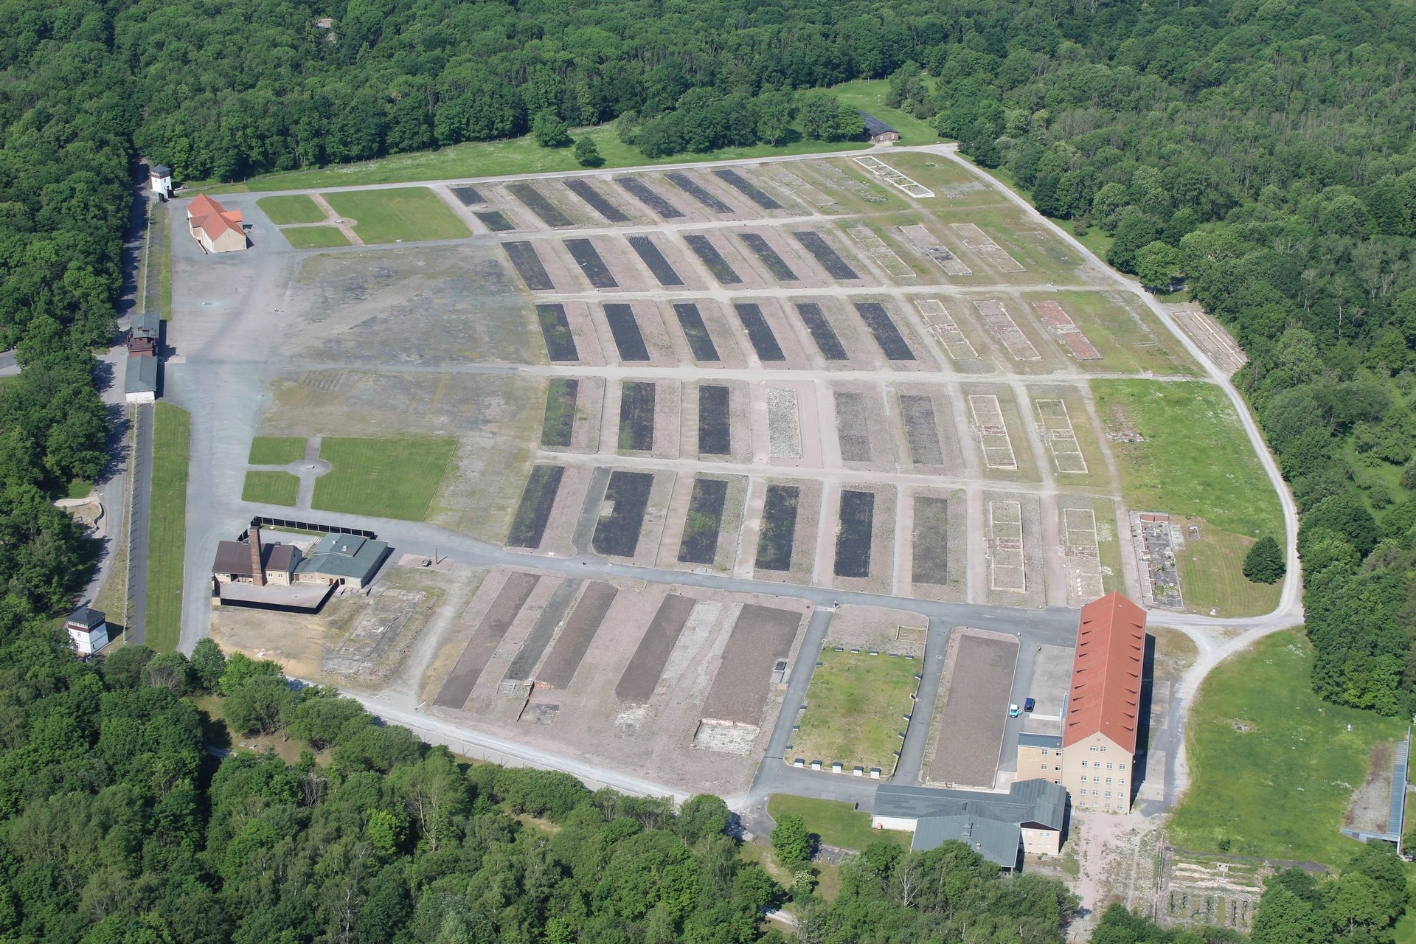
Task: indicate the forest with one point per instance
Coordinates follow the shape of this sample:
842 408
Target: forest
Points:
1257 152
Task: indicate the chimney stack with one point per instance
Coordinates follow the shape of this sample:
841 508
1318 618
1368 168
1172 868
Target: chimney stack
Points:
257 567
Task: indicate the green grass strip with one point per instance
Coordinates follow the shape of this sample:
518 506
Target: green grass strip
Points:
271 488
167 526
407 214
1272 766
315 237
383 478
837 823
1194 457
297 208
276 450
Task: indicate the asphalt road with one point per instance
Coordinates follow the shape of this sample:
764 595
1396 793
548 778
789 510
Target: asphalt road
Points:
224 397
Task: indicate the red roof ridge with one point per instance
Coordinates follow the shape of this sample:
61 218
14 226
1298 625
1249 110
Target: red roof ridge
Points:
1110 640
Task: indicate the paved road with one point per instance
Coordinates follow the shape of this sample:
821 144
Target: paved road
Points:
220 433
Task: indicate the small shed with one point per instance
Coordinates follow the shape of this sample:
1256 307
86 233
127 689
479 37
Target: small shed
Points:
88 628
140 379
878 131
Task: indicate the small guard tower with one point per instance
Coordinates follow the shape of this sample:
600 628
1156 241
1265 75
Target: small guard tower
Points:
161 179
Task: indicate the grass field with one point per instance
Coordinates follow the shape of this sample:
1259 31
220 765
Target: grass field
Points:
837 823
276 450
406 214
167 526
1280 787
315 237
1194 460
515 156
383 478
855 709
868 95
271 488
1212 576
296 208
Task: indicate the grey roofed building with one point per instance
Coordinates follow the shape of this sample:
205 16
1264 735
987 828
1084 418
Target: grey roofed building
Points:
145 324
140 380
1052 741
877 130
999 826
86 617
347 557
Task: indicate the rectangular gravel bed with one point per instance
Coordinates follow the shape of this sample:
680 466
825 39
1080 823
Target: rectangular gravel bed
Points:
590 263
882 328
528 264
649 197
558 671
555 328
655 260
636 429
708 254
834 265
523 664
537 203
821 331
494 220
920 431
485 639
852 426
768 256
468 195
583 190
931 541
617 534
641 676
534 512
559 421
853 537
714 421
759 332
700 342
705 519
761 636
783 424
690 187
747 188
779 516
628 340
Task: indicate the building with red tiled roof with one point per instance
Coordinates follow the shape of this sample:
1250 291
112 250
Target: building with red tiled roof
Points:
1103 715
216 228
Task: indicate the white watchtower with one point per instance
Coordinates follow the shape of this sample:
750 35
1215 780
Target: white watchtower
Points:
161 179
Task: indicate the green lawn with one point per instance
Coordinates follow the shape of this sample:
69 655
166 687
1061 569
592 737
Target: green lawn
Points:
80 488
868 95
406 214
167 526
1195 458
1212 576
315 237
383 478
497 158
855 708
276 450
837 823
296 208
1281 787
271 488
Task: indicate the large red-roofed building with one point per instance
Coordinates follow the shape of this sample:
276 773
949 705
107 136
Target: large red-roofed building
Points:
1103 716
216 228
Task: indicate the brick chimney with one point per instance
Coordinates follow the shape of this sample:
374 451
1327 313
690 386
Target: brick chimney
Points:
257 568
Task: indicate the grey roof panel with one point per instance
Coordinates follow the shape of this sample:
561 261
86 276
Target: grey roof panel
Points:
998 842
874 126
141 376
1040 740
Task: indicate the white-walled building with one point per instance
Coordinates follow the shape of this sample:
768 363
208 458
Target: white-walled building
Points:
160 177
88 628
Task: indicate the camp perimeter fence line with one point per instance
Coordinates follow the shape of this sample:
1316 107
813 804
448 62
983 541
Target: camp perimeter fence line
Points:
260 521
